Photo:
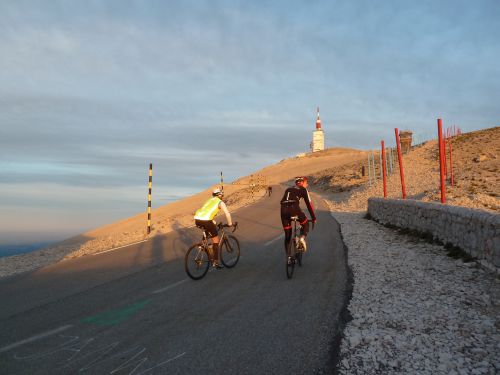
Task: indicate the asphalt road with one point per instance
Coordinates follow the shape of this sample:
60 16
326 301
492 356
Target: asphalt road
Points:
134 310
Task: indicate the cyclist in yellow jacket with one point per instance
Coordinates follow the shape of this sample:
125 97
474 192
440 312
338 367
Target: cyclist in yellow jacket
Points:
204 218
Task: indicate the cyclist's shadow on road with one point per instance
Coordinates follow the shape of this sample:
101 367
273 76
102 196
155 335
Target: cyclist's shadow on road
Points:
183 238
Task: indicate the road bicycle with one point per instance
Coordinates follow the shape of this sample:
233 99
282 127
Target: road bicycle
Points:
199 257
295 249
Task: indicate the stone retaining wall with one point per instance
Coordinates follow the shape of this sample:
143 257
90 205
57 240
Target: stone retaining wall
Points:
476 232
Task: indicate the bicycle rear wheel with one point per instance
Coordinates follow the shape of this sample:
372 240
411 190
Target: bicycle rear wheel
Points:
230 251
298 255
197 261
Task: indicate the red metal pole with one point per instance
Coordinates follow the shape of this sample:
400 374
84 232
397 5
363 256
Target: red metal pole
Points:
384 171
445 159
451 165
441 166
400 160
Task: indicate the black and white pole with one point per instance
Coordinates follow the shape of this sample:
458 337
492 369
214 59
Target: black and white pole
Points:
221 182
149 196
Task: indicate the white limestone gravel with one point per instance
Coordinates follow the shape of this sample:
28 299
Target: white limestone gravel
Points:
414 309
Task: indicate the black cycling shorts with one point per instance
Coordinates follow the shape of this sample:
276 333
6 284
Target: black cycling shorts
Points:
289 210
208 226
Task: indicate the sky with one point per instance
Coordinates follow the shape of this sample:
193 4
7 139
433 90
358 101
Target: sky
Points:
93 91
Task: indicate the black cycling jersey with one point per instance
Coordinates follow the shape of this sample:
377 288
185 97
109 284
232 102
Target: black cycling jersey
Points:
292 197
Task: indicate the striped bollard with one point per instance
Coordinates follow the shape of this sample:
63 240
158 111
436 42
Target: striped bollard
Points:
149 196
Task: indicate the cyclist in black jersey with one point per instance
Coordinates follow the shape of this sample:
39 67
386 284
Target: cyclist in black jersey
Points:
290 207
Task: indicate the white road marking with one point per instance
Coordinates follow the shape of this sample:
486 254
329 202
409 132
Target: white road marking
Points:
161 364
169 287
120 247
34 338
274 240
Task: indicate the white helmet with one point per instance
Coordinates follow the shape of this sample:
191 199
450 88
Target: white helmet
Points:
217 193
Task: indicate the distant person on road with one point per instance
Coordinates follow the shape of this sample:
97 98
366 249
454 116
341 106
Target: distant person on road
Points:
290 207
204 219
269 190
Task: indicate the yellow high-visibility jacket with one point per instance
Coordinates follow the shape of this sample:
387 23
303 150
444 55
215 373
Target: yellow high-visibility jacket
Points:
211 208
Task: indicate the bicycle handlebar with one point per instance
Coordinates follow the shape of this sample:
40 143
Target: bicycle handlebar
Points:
235 225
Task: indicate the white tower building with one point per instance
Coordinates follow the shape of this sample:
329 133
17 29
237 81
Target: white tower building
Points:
318 140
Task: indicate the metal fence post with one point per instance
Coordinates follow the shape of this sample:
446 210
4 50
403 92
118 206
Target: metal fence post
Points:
381 169
384 174
400 160
441 160
452 180
390 160
369 170
374 168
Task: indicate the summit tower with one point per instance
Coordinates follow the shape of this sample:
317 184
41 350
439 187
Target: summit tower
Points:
318 140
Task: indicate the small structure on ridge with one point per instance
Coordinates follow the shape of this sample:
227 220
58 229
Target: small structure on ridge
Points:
405 138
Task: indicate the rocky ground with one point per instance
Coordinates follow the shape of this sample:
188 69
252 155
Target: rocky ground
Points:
414 309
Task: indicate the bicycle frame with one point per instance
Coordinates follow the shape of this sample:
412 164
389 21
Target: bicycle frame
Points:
295 236
207 241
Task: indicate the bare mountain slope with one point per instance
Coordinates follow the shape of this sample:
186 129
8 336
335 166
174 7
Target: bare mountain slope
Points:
475 164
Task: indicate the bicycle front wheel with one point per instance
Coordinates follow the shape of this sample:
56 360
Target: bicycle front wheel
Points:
290 265
230 251
197 261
